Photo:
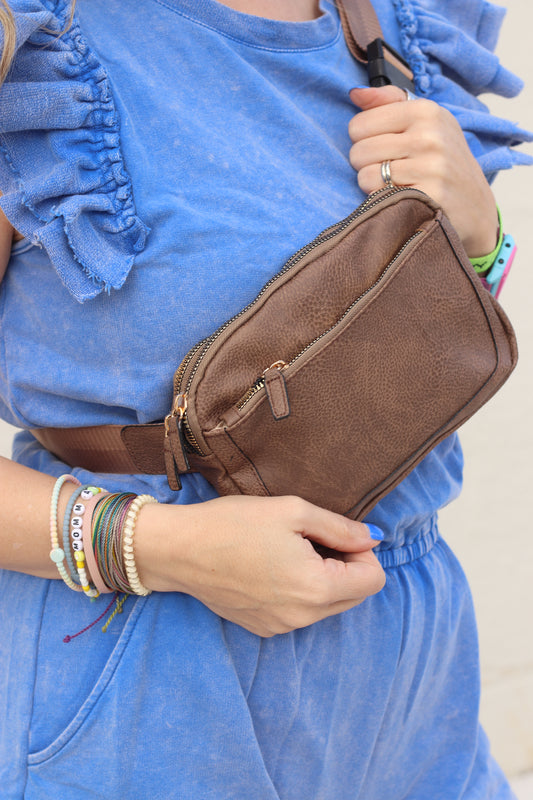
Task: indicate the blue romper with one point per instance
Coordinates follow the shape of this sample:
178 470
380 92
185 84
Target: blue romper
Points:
163 159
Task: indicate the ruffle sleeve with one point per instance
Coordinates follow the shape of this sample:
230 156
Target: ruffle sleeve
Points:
64 181
450 47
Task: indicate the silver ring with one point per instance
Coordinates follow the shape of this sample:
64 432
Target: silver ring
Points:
386 174
409 95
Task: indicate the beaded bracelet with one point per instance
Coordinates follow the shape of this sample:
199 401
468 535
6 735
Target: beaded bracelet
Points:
57 554
127 549
82 551
66 534
94 570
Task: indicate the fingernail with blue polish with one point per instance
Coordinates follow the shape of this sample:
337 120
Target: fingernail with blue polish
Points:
375 532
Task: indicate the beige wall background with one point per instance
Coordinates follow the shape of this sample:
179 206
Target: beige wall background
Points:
490 526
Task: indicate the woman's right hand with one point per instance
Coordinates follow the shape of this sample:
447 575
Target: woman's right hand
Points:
251 561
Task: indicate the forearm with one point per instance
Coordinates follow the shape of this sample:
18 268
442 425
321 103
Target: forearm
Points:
25 524
248 559
24 519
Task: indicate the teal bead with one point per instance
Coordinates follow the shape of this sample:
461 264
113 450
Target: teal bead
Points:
57 555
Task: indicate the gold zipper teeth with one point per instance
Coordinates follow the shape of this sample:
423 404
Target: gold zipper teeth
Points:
371 201
184 364
190 437
358 299
259 384
203 346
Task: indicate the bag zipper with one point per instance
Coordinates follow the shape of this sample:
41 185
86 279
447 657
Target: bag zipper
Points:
260 382
188 368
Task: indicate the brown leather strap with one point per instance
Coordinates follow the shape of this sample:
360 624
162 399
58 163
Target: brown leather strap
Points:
360 24
125 449
361 27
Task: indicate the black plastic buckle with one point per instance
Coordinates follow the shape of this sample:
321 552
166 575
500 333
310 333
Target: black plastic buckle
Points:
381 71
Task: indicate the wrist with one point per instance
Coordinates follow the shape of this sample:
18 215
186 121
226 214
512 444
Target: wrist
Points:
494 267
485 237
158 541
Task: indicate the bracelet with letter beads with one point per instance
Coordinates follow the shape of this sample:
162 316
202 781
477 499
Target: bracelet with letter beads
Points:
80 524
57 554
66 533
127 545
79 556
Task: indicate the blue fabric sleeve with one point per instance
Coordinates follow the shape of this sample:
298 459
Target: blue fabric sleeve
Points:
61 171
66 187
449 45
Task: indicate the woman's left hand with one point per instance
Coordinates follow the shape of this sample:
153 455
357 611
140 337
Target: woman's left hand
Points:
427 150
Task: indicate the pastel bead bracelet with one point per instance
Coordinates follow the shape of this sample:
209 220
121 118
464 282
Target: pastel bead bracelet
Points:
128 553
57 554
66 534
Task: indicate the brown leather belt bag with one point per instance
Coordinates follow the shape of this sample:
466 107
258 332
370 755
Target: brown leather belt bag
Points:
372 344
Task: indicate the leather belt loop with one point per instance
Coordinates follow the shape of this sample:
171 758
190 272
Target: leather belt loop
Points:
116 449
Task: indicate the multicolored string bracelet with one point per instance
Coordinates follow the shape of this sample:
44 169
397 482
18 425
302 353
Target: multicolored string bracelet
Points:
119 602
127 547
108 521
57 554
105 562
118 610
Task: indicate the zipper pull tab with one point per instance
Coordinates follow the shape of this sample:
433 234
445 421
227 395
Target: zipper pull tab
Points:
276 390
176 460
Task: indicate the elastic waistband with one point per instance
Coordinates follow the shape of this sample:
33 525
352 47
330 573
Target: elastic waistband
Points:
397 556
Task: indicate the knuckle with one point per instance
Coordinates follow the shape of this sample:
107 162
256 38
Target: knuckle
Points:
428 110
354 156
380 581
347 528
365 180
425 139
295 507
353 128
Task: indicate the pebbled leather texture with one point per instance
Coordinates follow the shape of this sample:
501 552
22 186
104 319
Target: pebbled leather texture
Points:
399 344
385 342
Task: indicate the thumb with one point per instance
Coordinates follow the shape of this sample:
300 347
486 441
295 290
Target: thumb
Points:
336 532
365 97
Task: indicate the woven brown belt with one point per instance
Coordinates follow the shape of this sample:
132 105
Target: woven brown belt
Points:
124 449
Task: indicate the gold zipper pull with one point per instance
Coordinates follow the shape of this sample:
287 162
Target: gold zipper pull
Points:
276 365
276 390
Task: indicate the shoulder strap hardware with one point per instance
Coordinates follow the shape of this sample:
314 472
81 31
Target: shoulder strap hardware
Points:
364 38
